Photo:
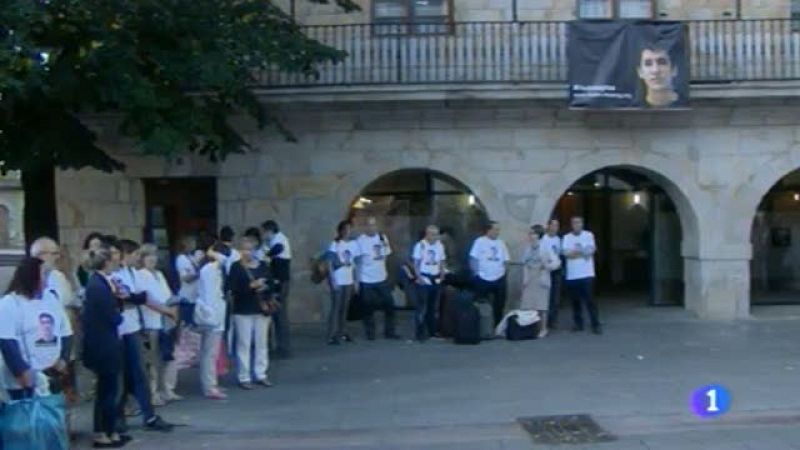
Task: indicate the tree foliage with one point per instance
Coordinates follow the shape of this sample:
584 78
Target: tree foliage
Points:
171 71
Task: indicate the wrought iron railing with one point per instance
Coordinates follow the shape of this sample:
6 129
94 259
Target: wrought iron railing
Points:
534 52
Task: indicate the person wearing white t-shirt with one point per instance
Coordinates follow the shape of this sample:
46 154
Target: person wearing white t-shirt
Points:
227 236
34 333
488 259
375 291
278 250
552 241
56 266
136 380
187 265
429 257
579 248
209 315
158 317
342 254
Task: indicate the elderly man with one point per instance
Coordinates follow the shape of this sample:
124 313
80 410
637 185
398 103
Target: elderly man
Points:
375 290
56 281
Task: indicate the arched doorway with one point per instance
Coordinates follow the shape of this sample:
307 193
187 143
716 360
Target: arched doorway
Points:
638 234
406 201
775 266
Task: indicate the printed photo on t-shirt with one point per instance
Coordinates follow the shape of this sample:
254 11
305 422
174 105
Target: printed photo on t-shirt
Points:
347 258
431 258
495 256
46 336
377 252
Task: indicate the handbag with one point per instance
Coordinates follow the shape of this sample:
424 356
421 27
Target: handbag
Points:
269 306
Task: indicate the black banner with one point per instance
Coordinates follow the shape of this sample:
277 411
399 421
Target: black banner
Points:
625 64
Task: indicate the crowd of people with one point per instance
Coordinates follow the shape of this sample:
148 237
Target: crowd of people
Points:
357 265
119 316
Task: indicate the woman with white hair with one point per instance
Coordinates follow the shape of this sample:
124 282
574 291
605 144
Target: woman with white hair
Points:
157 317
539 261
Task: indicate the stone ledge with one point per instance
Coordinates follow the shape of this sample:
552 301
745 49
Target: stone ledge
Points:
501 91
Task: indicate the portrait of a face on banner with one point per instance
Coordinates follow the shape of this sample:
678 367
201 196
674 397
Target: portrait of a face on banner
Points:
628 65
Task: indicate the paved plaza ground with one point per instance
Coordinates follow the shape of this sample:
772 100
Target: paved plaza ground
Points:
635 381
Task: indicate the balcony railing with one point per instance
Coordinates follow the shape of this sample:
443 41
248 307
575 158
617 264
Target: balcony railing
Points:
535 52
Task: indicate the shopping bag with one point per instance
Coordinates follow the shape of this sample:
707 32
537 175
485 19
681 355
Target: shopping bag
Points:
37 423
188 349
223 363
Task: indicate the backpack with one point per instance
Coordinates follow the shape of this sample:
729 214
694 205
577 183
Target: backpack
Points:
318 266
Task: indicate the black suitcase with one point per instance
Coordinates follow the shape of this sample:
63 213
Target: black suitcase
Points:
448 310
516 332
468 321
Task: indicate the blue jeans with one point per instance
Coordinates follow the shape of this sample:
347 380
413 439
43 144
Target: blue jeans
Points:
135 379
425 314
581 293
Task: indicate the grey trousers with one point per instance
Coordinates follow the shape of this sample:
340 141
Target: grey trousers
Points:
337 318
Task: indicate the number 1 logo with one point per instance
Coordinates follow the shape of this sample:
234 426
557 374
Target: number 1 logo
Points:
711 401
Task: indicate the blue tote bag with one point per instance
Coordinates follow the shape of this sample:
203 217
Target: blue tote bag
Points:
36 423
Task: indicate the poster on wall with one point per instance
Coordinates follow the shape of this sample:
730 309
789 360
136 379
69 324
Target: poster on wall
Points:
628 65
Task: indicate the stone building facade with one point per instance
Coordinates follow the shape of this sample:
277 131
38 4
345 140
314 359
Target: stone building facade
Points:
517 147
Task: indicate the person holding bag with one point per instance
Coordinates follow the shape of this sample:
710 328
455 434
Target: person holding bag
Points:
539 260
253 307
35 335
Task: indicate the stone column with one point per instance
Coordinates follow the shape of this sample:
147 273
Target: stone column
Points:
718 285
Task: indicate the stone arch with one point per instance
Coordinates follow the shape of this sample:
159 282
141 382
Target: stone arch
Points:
355 182
773 234
752 190
671 177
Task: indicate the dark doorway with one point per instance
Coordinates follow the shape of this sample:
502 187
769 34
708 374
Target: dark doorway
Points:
637 231
406 201
775 267
178 207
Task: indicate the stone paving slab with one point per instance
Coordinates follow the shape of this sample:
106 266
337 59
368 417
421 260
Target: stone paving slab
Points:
635 381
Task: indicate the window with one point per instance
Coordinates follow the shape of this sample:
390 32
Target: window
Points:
615 9
412 16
